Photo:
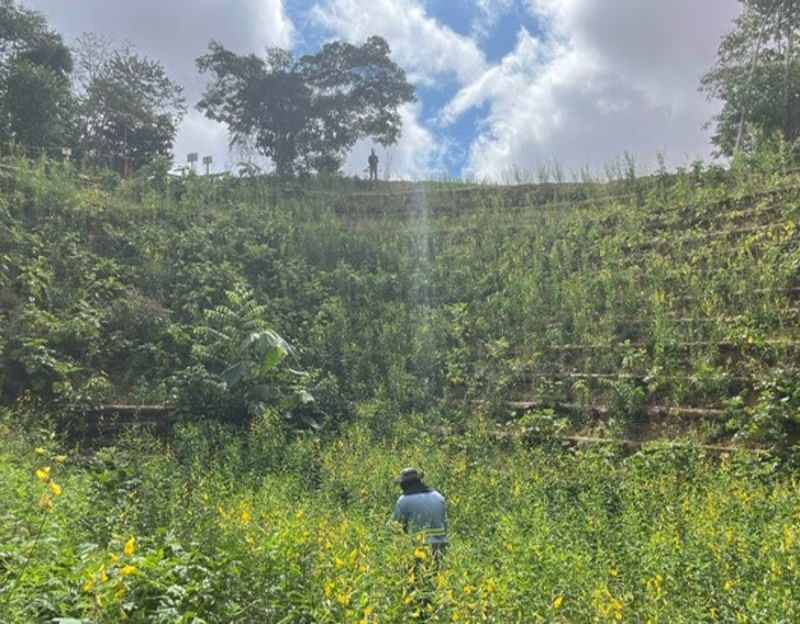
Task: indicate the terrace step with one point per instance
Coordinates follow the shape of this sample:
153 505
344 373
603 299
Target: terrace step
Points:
712 413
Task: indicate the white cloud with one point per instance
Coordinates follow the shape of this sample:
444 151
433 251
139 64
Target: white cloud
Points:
513 73
424 47
611 76
488 13
273 27
660 42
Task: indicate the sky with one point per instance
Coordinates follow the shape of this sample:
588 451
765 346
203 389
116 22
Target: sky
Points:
506 89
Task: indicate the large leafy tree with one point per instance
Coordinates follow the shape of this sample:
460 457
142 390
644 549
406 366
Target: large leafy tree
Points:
35 96
305 114
757 75
129 110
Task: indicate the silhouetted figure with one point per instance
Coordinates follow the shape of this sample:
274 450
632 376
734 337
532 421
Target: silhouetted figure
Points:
373 165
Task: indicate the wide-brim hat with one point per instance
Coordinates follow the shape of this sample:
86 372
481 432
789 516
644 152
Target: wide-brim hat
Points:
409 474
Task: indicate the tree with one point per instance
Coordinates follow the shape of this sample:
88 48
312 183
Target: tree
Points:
306 114
130 111
38 104
35 96
19 28
757 75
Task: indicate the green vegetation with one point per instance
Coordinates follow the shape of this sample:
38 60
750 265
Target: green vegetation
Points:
208 384
670 294
421 319
216 528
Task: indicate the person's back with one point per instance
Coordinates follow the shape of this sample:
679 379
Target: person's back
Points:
423 512
421 509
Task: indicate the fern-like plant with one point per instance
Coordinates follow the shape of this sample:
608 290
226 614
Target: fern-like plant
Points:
235 373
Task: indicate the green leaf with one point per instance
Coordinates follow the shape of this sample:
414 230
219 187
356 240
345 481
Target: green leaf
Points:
233 375
265 392
271 358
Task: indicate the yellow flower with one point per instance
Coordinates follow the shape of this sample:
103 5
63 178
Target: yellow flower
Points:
45 502
419 553
557 602
54 488
60 459
43 473
128 548
103 575
114 558
127 569
87 586
40 451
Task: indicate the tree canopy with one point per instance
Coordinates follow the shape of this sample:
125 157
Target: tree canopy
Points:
305 114
129 111
757 75
112 107
35 97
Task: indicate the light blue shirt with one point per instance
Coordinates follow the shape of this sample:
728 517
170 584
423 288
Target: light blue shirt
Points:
425 512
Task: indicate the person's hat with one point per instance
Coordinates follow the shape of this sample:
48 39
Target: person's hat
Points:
410 474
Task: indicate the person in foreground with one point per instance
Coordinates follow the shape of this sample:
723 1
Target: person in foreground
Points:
421 510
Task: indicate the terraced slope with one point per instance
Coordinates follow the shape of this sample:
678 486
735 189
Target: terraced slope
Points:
657 313
670 311
653 307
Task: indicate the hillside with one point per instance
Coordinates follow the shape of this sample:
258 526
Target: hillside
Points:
479 333
661 307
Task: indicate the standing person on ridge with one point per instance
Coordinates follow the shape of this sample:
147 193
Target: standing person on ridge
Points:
373 165
421 509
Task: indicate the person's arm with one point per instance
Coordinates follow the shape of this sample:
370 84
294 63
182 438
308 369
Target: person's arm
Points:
399 520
